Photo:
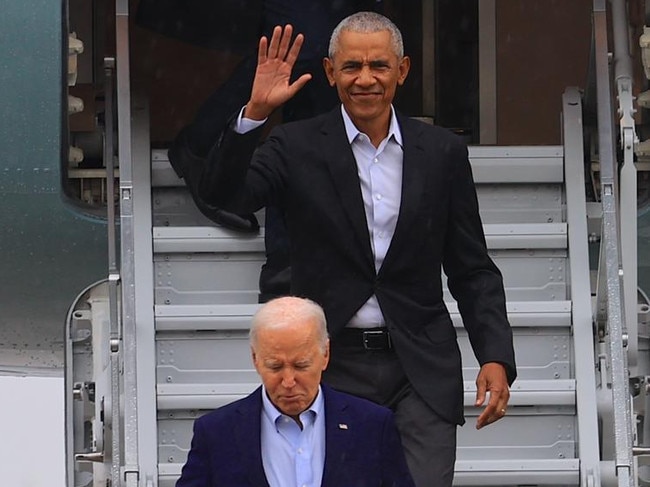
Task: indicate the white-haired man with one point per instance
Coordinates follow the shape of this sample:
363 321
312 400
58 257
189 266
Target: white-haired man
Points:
293 431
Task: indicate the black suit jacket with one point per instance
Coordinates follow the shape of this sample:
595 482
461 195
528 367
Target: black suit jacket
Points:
308 168
362 446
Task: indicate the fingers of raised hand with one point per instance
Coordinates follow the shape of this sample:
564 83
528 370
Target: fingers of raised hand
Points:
262 50
274 43
285 42
280 46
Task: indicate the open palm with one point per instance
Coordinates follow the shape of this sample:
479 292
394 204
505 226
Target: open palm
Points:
275 61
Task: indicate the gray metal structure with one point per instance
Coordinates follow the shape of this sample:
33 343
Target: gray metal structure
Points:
164 338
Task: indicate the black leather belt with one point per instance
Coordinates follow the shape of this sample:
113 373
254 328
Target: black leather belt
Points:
368 338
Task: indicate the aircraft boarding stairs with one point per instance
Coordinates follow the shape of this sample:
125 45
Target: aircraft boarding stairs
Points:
206 286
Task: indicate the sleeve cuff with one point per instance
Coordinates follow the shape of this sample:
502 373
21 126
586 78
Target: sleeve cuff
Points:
243 125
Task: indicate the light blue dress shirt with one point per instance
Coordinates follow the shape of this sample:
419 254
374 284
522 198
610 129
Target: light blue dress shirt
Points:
291 456
380 176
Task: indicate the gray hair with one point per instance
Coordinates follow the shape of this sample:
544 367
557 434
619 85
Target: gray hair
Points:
282 311
367 23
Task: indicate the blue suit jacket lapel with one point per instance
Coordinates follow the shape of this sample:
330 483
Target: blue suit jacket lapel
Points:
339 437
248 438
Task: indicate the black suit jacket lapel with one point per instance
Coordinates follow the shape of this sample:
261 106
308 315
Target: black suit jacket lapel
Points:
414 165
338 154
248 438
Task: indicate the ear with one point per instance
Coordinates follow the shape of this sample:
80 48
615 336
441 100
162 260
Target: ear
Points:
328 66
326 355
403 69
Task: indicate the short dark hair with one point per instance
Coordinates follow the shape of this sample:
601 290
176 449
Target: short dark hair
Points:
367 22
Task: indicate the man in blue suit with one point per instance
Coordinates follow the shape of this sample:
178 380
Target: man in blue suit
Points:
294 431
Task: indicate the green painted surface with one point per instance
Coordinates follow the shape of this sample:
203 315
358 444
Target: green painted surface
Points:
48 253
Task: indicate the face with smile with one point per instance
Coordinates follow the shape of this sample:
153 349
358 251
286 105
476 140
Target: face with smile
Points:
366 72
290 359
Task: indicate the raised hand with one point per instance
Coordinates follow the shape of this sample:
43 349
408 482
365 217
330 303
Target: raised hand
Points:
275 61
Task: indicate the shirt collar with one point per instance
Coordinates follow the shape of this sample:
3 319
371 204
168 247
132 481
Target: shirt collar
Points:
352 131
273 414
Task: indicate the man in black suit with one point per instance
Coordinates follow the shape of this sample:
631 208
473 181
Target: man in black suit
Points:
377 205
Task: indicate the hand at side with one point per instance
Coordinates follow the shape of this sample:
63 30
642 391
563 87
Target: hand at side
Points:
492 378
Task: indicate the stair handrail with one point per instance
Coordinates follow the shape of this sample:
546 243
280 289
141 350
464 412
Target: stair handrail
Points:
583 336
612 315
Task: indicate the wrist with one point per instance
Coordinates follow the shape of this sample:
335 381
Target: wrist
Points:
256 112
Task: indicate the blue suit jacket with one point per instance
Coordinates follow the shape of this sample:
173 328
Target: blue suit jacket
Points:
362 446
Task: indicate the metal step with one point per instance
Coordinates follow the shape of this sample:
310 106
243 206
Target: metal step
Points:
227 316
517 472
471 473
490 164
218 239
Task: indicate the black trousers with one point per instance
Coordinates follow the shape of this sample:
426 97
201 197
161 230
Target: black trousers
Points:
429 441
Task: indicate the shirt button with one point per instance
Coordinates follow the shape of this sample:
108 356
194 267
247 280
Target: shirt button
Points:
299 451
381 235
375 160
378 196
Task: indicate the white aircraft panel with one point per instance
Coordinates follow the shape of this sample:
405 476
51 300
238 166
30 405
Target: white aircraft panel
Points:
32 449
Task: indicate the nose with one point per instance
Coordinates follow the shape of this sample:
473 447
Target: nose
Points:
288 379
365 78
